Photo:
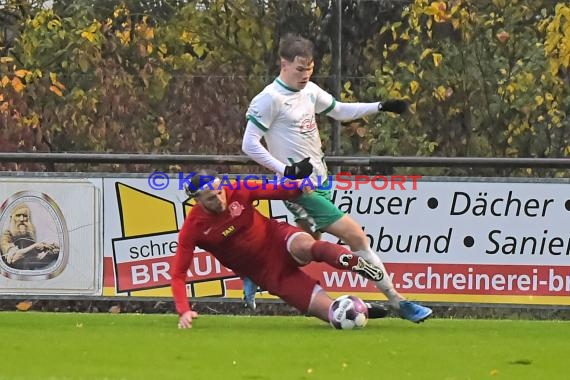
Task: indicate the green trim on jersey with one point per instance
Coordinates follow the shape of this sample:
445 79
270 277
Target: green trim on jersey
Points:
257 123
331 107
280 82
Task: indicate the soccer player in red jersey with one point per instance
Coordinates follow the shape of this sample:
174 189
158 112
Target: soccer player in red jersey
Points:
225 223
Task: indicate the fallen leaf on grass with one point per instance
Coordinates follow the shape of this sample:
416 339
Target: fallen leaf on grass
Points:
115 309
24 306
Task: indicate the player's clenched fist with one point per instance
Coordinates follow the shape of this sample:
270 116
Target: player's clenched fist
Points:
299 170
395 105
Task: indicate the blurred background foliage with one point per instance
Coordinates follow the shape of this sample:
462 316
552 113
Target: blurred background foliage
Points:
485 78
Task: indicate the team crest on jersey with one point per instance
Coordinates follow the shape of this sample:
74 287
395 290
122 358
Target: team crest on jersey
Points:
235 209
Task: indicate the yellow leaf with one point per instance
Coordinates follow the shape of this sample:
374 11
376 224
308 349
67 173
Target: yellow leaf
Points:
93 27
88 36
21 73
148 34
425 53
60 85
439 93
17 84
395 94
124 36
414 87
5 81
199 50
56 90
436 59
503 71
456 23
412 107
539 100
6 59
53 77
393 47
549 96
186 37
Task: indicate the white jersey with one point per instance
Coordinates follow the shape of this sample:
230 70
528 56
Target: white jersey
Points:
287 118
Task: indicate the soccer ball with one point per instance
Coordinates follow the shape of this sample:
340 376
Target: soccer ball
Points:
348 312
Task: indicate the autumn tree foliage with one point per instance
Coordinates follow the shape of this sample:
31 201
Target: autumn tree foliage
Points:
484 78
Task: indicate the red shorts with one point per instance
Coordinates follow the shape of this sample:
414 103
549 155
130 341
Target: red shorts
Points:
282 275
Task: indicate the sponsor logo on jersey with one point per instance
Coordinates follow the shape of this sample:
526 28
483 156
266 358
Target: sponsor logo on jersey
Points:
228 231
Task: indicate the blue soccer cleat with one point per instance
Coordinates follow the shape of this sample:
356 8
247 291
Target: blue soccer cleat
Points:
249 289
414 312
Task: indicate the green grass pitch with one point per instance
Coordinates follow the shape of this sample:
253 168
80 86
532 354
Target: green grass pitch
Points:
59 346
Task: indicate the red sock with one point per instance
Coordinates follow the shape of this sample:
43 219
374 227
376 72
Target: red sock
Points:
333 254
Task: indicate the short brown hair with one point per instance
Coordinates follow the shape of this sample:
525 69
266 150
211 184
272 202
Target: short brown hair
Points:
199 179
294 45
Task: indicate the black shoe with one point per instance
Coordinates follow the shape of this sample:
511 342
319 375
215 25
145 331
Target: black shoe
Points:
375 310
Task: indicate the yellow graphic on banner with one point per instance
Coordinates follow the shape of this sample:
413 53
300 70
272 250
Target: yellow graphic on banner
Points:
143 213
264 207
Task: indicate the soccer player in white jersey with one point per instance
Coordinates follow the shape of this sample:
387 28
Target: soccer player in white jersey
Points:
284 115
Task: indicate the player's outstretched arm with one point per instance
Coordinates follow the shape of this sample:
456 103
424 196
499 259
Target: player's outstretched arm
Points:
353 111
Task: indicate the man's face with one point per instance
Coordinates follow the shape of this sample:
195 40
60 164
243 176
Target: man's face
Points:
21 221
213 200
296 74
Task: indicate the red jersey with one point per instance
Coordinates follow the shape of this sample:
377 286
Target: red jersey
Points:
238 237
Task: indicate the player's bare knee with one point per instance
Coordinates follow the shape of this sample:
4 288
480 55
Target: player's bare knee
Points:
299 246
